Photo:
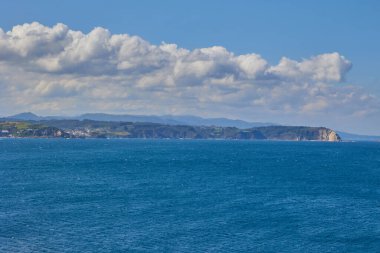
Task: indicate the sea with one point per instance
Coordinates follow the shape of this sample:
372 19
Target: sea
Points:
139 195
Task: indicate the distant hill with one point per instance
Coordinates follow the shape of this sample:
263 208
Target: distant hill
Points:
111 129
174 120
128 118
33 117
170 120
25 116
32 130
166 119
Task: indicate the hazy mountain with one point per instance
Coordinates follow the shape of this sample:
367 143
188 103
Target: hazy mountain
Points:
31 116
166 119
25 116
224 122
174 120
128 118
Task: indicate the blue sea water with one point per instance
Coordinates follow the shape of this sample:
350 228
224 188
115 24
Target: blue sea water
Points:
100 195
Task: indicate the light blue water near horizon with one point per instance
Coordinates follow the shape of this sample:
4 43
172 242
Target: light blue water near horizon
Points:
99 195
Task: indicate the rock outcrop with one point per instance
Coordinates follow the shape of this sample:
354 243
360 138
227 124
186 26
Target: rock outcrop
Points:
328 135
298 133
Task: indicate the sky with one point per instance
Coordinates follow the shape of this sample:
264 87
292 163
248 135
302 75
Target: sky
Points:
290 62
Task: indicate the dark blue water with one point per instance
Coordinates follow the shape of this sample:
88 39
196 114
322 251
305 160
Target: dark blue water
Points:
188 196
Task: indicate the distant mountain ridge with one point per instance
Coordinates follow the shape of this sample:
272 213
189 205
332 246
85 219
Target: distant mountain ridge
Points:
165 119
171 120
25 116
111 129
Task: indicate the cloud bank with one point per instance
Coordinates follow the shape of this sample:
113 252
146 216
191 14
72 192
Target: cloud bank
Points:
56 69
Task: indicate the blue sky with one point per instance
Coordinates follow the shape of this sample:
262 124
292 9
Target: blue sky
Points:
273 29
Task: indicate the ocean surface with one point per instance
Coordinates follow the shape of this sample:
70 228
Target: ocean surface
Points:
100 195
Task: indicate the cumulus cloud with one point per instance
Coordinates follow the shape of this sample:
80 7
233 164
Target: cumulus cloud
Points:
56 68
325 67
60 50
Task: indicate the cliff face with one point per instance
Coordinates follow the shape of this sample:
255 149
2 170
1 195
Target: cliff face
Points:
298 133
328 135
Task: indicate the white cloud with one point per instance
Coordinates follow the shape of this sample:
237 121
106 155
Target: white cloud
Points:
325 67
61 50
51 69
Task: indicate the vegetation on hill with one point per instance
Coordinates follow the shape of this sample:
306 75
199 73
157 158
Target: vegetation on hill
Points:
103 129
27 129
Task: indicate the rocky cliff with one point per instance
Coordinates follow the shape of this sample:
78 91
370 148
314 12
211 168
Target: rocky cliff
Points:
298 133
328 135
